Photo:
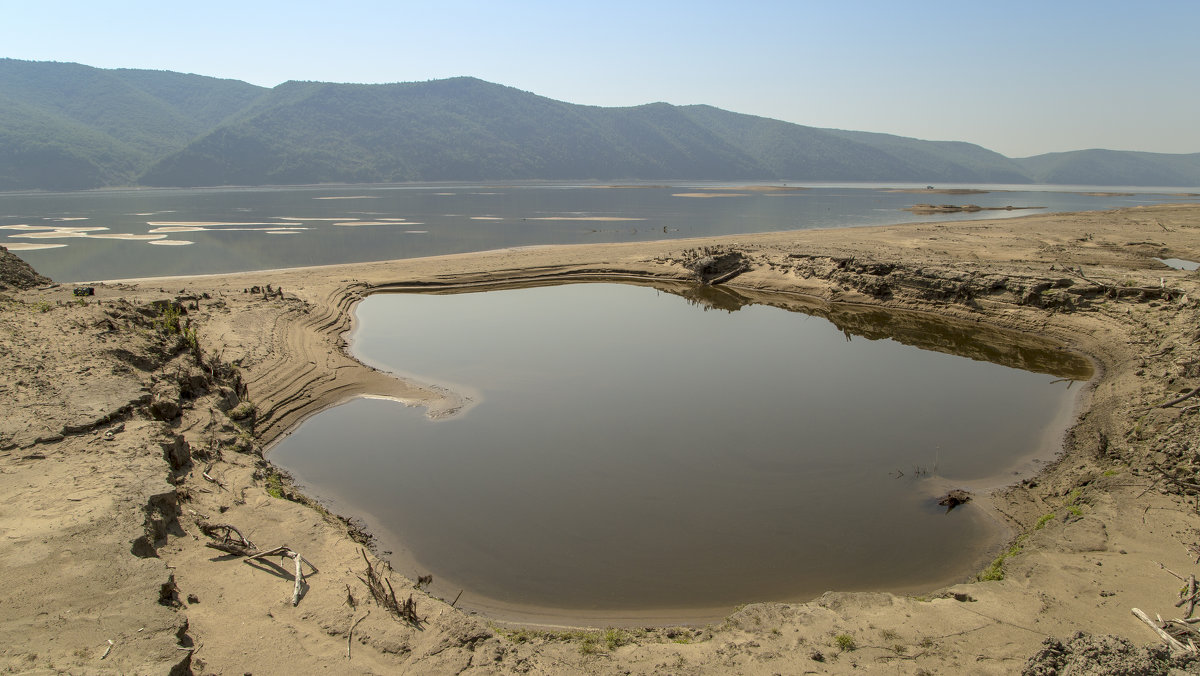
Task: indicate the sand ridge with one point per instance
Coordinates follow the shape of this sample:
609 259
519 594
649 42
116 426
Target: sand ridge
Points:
1088 280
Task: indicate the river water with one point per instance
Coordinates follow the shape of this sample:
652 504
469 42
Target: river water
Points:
120 234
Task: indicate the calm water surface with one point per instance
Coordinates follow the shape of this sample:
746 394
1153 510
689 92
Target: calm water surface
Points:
1179 263
184 232
630 449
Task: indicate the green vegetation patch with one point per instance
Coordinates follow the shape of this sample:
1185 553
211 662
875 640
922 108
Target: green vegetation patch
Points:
275 485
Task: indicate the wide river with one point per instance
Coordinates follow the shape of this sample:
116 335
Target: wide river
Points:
634 454
119 234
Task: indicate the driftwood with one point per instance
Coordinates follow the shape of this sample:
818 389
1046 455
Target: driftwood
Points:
1177 576
729 275
224 540
350 634
1183 630
1119 291
1178 482
375 582
1170 640
1176 400
207 476
1188 596
229 539
1160 352
287 552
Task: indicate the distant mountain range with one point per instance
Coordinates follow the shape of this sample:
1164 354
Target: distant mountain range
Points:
67 126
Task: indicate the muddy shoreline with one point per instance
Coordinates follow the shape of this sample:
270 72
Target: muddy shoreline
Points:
1088 280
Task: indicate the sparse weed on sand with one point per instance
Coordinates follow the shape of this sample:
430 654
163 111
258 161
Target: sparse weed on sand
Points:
275 485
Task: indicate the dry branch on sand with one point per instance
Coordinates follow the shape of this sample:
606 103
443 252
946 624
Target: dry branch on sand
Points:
350 634
1188 595
208 477
1182 628
287 552
1177 400
375 582
224 539
1175 632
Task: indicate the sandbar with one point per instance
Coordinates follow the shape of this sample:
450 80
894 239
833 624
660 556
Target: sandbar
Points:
205 224
128 236
30 246
178 228
60 233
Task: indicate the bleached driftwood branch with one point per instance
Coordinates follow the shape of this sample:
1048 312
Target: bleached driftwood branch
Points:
1170 640
287 552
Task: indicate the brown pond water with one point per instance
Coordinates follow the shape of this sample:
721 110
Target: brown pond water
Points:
636 453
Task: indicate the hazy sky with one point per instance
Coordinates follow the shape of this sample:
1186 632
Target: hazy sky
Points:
1021 78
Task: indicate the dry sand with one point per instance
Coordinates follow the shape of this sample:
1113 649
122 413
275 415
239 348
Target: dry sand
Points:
118 439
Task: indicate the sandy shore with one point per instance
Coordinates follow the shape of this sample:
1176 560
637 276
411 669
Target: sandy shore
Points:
121 433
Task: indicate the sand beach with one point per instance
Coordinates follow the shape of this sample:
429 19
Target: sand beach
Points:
133 424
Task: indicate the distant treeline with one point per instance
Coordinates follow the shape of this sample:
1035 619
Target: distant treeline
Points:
66 126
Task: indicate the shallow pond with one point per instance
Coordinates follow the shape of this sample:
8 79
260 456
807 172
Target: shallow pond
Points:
636 451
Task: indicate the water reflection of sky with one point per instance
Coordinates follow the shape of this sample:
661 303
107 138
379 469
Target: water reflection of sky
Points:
1178 263
105 232
723 456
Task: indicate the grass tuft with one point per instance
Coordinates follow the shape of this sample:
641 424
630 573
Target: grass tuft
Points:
275 485
995 570
615 638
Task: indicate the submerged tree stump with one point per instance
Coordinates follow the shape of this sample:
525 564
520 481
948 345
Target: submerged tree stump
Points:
954 498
